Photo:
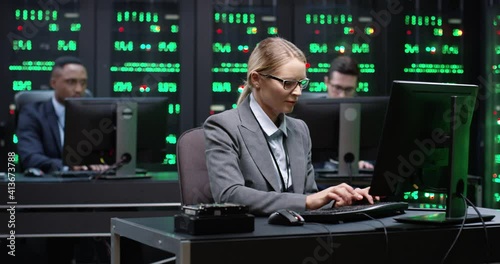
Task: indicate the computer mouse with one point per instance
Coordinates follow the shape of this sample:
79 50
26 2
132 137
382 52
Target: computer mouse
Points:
285 217
33 172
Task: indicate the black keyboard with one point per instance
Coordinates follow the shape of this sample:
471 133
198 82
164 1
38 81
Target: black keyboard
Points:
140 173
355 212
75 174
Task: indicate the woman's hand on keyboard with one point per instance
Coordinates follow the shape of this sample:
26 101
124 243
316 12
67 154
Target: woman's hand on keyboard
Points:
367 198
343 194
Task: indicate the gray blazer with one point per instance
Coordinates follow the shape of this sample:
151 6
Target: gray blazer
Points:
240 166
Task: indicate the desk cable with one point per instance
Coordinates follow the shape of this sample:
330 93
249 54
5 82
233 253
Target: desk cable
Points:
329 237
385 234
487 242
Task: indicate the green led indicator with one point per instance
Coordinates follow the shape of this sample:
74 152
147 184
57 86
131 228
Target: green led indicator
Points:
154 28
221 87
497 49
367 68
174 29
363 48
496 196
22 45
450 49
167 47
362 87
17 13
174 108
251 30
145 46
14 139
234 106
126 16
497 139
54 15
226 67
430 49
411 49
19 85
438 32
119 17
148 16
435 68
170 159
76 27
66 46
155 17
318 48
146 67
167 87
245 18
457 32
497 158
53 27
124 46
218 47
33 66
340 49
272 30
141 17
171 139
122 87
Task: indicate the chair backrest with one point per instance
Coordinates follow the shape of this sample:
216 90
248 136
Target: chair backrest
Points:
192 168
23 98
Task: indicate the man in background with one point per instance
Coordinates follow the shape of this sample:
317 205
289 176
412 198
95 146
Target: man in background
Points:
342 78
341 81
40 126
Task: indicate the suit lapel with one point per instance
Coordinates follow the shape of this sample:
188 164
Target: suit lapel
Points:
256 145
53 125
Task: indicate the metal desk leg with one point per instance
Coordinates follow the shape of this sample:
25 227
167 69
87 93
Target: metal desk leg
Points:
115 248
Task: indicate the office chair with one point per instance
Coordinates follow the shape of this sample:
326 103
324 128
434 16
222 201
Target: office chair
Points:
23 98
192 168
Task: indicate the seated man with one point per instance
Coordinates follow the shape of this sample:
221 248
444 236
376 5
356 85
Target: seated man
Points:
40 127
341 81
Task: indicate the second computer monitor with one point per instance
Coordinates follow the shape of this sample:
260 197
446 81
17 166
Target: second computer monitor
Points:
323 117
94 125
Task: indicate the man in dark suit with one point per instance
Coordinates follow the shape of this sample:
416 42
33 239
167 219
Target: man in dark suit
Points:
40 126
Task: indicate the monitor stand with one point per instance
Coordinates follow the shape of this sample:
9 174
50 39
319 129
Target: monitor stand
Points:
349 136
126 142
458 161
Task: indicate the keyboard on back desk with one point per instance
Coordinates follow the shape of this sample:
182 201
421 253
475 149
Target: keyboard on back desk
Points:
355 212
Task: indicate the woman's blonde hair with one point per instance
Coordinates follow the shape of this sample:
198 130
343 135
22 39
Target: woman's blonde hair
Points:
269 55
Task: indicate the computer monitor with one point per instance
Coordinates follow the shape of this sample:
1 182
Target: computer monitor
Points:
425 146
110 130
323 117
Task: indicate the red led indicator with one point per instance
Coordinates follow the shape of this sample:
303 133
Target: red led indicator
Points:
498 32
121 29
308 65
245 50
218 31
494 112
494 175
351 31
317 32
20 28
408 32
11 111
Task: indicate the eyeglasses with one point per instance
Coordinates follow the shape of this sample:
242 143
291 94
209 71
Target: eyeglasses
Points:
289 84
340 88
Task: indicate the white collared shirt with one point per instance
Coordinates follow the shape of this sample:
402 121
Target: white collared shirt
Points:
60 112
274 136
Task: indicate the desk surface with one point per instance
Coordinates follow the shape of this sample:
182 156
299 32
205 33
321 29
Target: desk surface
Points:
284 243
50 206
